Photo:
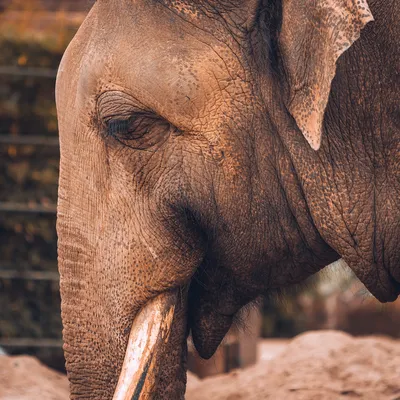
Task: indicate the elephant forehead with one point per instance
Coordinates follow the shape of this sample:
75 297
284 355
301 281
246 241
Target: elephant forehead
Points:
160 63
169 78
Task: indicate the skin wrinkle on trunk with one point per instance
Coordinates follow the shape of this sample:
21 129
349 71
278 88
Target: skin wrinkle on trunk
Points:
183 170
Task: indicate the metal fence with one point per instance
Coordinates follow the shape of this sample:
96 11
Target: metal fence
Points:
12 272
7 270
51 5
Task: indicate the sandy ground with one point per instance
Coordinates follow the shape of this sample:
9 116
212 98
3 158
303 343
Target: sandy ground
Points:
25 378
326 365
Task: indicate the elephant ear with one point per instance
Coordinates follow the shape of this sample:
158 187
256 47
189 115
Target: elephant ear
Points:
314 33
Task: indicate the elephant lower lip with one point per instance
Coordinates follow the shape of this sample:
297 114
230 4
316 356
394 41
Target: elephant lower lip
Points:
396 286
387 294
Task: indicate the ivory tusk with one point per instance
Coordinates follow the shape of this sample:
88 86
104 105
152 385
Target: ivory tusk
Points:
150 329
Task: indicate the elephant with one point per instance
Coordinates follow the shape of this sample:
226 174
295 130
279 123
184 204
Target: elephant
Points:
212 152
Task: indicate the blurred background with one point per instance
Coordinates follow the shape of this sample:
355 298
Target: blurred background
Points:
33 37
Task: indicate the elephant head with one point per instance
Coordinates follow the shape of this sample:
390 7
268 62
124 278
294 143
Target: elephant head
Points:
194 179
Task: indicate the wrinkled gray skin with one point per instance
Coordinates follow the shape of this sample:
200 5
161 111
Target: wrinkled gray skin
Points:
188 133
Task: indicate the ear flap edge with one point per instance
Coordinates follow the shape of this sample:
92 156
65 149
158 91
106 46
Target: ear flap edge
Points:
314 34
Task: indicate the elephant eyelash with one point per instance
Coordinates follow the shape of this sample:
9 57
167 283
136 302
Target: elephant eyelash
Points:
116 127
131 128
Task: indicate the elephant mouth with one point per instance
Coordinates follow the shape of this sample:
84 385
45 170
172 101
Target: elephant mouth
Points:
150 330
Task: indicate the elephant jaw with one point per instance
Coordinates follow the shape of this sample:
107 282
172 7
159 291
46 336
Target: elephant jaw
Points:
150 331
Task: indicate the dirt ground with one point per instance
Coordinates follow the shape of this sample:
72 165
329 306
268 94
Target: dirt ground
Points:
326 365
25 378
